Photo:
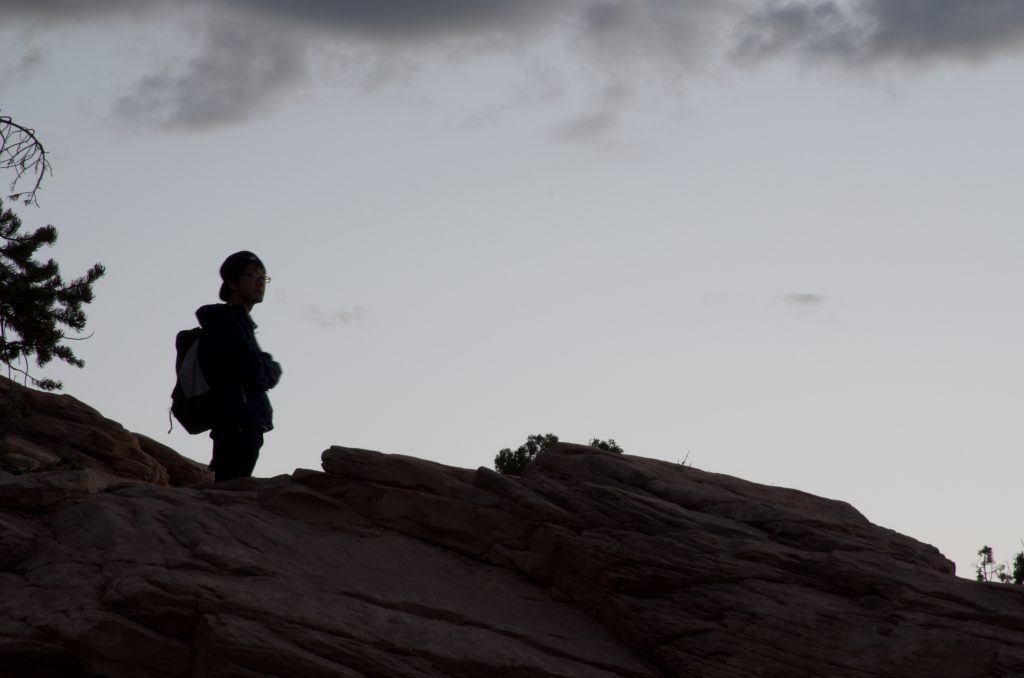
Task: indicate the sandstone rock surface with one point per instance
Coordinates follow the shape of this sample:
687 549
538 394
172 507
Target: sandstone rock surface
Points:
592 564
48 428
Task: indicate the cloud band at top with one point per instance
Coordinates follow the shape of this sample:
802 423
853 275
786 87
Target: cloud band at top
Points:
253 52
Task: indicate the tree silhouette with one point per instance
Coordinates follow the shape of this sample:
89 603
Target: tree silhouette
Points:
35 302
987 569
514 462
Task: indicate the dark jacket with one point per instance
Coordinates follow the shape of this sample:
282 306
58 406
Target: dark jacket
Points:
239 373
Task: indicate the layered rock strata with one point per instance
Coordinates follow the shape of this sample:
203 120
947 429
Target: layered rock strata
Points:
591 564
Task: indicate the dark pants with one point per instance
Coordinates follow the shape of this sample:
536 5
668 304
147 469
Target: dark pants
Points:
235 451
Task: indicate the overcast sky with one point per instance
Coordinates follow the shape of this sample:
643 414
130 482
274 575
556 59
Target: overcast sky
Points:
778 239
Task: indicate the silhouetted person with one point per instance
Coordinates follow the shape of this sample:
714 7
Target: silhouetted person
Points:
239 373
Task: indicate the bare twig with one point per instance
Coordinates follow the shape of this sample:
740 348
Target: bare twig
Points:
63 338
22 152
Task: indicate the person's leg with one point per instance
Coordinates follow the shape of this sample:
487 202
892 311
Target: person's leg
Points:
235 451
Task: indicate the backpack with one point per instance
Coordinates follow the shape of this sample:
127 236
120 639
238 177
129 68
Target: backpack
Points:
192 402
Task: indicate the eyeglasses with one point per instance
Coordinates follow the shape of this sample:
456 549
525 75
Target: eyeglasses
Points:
257 276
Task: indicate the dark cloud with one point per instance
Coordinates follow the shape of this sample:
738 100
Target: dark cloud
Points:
241 71
639 50
867 31
379 18
667 34
406 19
257 51
58 8
604 17
80 10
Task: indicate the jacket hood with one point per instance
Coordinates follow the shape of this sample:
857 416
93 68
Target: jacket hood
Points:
211 313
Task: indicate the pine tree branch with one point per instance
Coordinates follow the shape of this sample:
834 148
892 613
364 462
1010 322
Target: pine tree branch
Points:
21 151
45 384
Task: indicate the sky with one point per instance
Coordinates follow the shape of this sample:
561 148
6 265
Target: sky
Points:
773 239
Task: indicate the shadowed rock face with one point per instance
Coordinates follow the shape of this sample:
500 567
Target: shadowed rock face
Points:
592 564
48 426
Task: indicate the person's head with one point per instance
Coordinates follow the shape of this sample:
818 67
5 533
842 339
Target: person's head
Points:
244 279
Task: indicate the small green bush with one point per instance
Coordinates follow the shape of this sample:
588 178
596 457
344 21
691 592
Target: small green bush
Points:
607 445
987 569
514 462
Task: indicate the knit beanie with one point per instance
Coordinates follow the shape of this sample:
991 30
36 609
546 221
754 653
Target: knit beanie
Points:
233 268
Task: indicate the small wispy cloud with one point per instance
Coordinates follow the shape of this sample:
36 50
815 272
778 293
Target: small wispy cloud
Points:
804 299
28 62
589 127
337 317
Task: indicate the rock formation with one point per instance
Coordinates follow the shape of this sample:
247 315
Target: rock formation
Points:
45 428
591 564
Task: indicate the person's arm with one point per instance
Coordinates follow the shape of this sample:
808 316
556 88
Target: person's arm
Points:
273 370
